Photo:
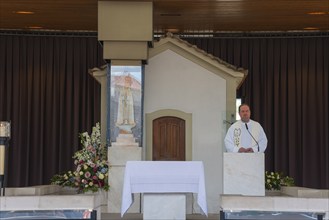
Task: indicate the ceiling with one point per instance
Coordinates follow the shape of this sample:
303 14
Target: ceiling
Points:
185 16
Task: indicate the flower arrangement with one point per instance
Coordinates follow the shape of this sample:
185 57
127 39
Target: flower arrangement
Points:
274 180
91 165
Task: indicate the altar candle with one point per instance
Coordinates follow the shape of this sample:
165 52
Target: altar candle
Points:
2 159
2 130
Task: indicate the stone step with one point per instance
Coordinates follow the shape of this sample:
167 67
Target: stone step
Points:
116 144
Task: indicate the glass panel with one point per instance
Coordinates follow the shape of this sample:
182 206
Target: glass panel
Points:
125 116
238 103
48 214
272 215
228 119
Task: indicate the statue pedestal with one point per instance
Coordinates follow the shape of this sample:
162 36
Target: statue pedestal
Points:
244 174
125 140
125 149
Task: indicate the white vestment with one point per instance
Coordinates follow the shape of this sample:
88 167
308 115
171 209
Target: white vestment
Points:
238 136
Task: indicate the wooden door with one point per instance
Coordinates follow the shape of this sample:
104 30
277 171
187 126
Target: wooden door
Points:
169 139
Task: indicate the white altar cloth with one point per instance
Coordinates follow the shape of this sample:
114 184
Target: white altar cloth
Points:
163 177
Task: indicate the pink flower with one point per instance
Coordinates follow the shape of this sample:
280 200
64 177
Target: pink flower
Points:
87 174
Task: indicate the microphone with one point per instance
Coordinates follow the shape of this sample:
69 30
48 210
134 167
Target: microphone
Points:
252 136
230 123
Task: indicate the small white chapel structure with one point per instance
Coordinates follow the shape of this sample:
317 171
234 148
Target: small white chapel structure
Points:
184 82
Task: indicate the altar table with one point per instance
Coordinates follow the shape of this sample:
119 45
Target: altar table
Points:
164 177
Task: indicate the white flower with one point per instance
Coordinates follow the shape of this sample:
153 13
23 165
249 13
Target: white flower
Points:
101 176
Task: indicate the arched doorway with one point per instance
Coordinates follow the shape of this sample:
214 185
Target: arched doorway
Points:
168 139
165 113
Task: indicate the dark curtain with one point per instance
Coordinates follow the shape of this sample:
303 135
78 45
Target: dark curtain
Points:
49 97
287 90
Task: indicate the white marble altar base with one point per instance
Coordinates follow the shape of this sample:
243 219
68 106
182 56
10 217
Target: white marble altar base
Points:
52 197
51 202
164 206
304 192
33 190
244 174
274 203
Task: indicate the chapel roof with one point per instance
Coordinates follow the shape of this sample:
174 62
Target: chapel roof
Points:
237 72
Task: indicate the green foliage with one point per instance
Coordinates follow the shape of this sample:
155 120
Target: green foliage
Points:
274 180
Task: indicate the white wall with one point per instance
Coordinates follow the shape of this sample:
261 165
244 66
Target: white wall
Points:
174 82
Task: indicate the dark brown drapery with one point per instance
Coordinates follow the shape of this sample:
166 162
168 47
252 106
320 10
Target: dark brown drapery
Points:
287 89
49 97
47 93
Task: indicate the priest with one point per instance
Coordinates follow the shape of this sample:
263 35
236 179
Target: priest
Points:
245 135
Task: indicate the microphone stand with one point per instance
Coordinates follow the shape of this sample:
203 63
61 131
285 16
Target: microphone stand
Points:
4 142
252 136
230 122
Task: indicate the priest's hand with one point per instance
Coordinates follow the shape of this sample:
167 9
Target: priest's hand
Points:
249 150
245 150
242 150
